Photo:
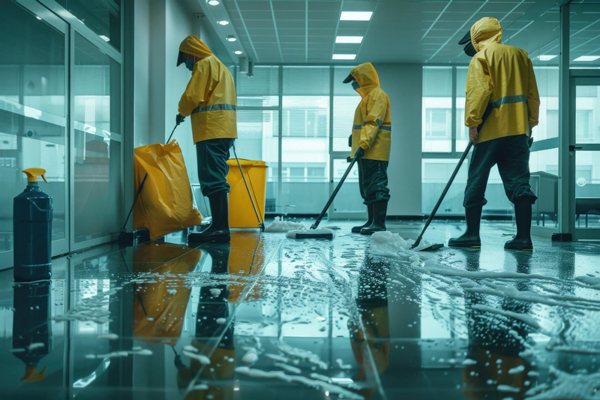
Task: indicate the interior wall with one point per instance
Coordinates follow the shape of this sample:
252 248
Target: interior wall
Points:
403 84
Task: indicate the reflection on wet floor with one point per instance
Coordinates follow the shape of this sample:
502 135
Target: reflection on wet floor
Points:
267 317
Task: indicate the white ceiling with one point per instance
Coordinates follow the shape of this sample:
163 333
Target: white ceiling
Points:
409 31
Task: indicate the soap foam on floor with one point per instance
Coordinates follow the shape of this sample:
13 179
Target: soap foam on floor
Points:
388 244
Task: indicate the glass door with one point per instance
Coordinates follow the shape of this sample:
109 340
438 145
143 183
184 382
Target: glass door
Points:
585 177
33 114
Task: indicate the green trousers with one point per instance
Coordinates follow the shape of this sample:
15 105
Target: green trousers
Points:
212 165
511 153
373 180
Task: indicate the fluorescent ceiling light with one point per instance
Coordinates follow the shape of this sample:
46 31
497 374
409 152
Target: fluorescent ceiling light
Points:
213 3
356 16
105 38
237 52
348 39
223 23
547 57
344 56
231 38
587 58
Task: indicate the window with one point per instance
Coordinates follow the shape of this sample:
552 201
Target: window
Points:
305 142
102 17
547 82
345 101
298 182
437 109
436 173
260 90
437 121
583 124
97 125
258 124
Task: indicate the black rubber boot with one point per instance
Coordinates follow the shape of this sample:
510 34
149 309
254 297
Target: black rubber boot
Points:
379 215
471 237
218 231
369 222
522 240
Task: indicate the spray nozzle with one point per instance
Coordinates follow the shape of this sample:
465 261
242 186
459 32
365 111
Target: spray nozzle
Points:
33 173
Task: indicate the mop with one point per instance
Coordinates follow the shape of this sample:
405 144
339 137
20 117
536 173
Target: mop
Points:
437 246
314 232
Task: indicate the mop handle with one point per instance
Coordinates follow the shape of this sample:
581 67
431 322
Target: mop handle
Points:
141 186
335 192
439 202
261 224
486 114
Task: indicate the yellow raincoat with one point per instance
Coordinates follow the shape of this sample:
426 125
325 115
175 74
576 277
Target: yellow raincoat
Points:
372 128
210 95
503 76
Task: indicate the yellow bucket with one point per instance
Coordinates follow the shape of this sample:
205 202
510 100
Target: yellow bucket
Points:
241 212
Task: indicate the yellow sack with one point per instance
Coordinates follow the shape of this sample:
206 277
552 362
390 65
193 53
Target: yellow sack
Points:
166 203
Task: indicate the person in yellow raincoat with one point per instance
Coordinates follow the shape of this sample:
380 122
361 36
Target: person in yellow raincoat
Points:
210 99
501 85
370 140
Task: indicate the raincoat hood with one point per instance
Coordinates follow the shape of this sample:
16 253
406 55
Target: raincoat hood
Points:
484 32
192 45
367 78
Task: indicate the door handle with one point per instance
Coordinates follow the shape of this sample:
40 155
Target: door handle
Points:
573 148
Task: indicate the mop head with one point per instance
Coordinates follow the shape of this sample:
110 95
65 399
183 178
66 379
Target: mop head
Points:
322 233
284 226
389 244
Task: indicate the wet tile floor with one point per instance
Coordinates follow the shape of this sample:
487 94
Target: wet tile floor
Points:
274 318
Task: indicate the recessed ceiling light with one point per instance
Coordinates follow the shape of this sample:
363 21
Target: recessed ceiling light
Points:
40 18
231 38
105 38
213 3
356 16
223 23
348 39
587 58
344 56
547 57
237 52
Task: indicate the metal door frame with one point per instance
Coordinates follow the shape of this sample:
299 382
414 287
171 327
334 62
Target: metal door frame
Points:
579 77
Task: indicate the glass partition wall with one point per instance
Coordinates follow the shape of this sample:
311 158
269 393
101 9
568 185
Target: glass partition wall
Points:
298 119
60 109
